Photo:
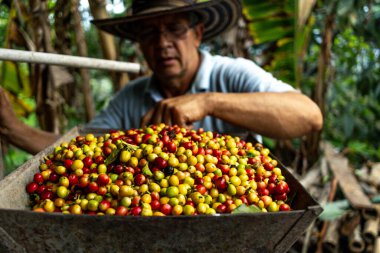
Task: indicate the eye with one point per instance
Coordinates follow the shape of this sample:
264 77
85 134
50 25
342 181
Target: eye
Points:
147 32
177 29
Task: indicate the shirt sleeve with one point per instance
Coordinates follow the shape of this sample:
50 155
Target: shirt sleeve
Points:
249 77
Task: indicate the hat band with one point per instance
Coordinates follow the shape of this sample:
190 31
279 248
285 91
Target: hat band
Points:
141 6
157 9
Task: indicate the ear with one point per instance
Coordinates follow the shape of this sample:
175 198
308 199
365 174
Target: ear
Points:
198 32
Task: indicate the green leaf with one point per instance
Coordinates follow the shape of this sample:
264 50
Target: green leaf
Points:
260 11
246 209
146 171
270 143
15 77
112 157
357 146
334 210
270 34
121 145
344 7
348 125
273 22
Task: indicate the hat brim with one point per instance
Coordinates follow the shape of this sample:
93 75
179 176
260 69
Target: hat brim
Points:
218 16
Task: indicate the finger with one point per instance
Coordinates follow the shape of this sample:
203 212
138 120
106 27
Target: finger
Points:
178 117
146 119
158 110
167 116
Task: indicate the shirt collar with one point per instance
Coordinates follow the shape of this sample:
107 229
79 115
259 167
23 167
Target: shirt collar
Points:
202 79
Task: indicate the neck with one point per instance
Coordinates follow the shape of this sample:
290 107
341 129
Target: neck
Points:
173 87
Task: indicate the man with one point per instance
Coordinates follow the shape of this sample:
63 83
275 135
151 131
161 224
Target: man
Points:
189 87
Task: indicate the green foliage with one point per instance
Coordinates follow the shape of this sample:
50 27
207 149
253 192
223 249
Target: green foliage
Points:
352 115
3 23
102 90
14 78
93 46
16 157
272 26
353 100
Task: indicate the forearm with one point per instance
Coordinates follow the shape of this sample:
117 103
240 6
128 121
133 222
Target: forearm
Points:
276 115
29 139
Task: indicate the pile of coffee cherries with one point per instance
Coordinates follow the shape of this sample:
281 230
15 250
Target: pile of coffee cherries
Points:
156 171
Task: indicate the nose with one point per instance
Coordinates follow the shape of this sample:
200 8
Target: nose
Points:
163 38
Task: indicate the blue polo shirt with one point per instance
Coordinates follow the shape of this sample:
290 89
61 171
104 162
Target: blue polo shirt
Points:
216 74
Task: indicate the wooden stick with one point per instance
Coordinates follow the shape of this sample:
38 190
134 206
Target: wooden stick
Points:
331 239
349 222
347 181
369 248
355 241
376 248
308 234
370 232
371 214
67 60
312 177
330 198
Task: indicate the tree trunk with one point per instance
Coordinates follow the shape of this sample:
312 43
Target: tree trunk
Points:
46 98
107 42
311 143
82 51
302 36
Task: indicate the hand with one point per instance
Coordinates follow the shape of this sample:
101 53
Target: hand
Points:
8 117
181 110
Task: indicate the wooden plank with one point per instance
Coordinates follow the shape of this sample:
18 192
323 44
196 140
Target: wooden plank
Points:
346 179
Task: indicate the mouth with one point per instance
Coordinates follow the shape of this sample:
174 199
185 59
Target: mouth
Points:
167 61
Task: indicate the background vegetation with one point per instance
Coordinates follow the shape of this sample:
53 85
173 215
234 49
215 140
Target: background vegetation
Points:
328 49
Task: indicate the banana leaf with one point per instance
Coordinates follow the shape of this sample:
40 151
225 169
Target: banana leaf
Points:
273 23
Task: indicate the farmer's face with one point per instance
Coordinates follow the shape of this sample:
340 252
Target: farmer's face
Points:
170 46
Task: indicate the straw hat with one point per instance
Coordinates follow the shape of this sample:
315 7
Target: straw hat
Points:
217 15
